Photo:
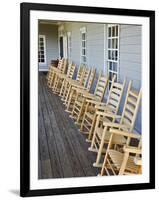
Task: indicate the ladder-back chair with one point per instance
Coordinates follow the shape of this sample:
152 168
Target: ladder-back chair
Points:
101 133
111 106
80 101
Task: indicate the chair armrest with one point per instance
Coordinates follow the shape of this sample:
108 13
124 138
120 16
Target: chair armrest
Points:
105 108
122 133
76 84
94 102
131 149
76 87
89 96
106 114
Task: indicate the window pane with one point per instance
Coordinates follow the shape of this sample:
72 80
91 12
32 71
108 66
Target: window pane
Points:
115 67
83 43
113 55
109 31
110 65
109 43
116 55
116 30
116 43
41 39
83 51
110 76
83 36
113 43
113 31
109 55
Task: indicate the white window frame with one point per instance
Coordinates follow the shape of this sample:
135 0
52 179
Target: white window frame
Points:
44 41
69 45
112 50
83 31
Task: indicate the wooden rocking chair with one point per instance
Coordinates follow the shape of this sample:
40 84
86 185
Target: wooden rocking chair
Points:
101 133
80 101
52 70
61 68
76 89
125 162
60 78
65 87
111 106
82 84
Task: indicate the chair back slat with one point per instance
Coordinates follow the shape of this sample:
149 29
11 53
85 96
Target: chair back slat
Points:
131 107
115 94
80 72
85 77
71 70
91 79
101 87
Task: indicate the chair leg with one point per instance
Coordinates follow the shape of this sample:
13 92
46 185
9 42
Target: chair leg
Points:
62 88
80 112
92 128
67 95
69 101
91 148
99 154
84 116
64 91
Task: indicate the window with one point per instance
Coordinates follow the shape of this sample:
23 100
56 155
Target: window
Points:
83 45
113 51
69 45
41 50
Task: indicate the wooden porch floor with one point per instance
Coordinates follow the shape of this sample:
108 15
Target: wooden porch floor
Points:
63 151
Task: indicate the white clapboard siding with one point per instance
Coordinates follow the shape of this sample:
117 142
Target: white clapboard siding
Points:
51 35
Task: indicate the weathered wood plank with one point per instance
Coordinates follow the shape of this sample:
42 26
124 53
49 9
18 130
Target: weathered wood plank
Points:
68 160
68 151
45 169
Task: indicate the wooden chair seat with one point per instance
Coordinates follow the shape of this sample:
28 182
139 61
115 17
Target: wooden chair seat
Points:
117 159
116 140
90 115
